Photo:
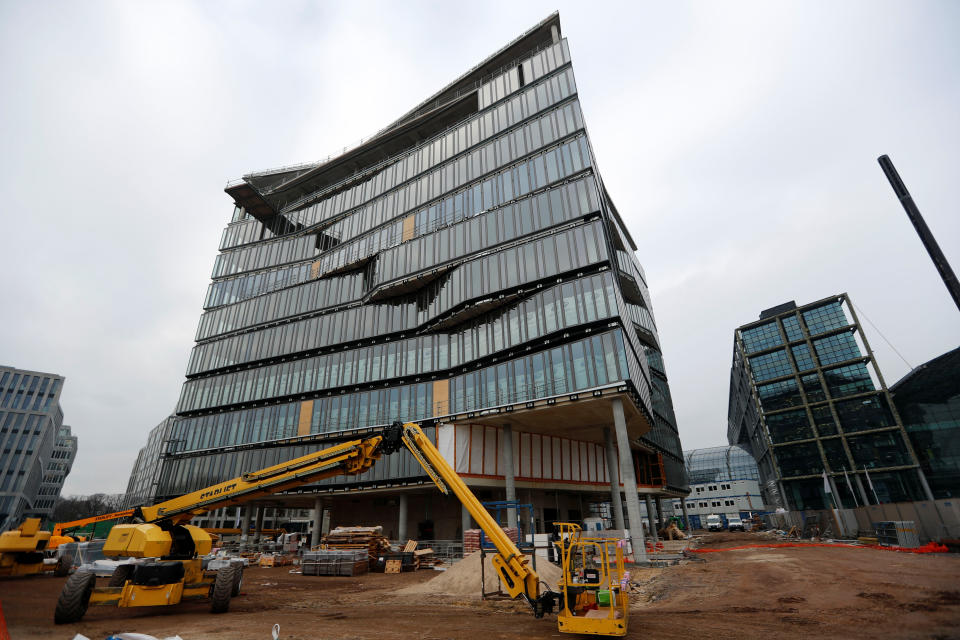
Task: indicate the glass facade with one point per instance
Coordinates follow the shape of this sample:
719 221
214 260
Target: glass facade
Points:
805 398
928 400
36 449
469 261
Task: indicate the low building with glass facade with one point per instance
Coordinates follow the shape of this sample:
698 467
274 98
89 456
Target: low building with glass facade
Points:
36 449
465 268
928 400
806 397
723 481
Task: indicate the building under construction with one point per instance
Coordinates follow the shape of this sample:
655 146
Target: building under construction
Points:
464 268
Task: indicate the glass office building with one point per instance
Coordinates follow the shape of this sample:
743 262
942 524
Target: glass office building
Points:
36 449
806 397
723 481
464 268
928 400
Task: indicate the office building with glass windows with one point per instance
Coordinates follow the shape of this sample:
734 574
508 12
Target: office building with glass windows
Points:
36 449
464 268
928 401
806 397
723 481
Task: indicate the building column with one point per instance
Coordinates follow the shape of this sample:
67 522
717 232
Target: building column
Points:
836 494
465 519
614 474
258 528
629 482
245 526
863 492
317 521
650 519
507 432
402 524
923 481
661 520
686 518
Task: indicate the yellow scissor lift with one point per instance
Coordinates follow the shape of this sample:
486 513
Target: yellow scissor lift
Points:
594 586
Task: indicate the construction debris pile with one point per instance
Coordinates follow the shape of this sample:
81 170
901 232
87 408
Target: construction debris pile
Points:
368 539
463 578
471 538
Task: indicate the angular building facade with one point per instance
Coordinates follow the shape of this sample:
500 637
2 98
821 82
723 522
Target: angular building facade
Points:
806 397
466 269
928 400
36 449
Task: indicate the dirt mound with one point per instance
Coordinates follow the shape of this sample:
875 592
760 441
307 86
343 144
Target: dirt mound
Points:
463 578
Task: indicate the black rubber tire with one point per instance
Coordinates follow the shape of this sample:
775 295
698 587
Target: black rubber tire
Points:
74 598
221 590
64 565
237 580
120 575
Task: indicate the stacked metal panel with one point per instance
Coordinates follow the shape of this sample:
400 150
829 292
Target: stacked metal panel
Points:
334 562
899 533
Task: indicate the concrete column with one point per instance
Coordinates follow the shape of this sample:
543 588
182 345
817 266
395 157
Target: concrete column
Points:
317 521
466 521
836 494
245 523
507 432
613 473
629 482
258 528
686 518
661 520
402 524
554 34
245 526
923 481
651 519
861 490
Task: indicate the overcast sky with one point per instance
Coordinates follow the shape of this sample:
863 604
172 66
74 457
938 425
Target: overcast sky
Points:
738 140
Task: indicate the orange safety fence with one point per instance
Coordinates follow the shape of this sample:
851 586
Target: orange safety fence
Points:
930 547
4 634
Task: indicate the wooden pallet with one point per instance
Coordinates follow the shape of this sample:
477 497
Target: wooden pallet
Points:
393 566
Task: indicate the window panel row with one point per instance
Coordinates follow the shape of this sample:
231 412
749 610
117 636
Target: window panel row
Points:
836 348
579 365
359 323
561 307
441 149
825 318
231 290
550 208
305 298
264 255
27 392
549 256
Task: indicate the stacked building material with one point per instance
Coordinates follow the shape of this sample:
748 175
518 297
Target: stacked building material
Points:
471 538
369 539
333 562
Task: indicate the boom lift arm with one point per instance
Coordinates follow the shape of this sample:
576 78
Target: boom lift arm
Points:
513 567
163 531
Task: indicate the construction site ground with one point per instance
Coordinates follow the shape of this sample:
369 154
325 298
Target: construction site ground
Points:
750 593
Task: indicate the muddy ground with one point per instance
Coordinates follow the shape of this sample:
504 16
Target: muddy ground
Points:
744 594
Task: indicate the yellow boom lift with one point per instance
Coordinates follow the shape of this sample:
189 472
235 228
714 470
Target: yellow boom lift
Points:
171 549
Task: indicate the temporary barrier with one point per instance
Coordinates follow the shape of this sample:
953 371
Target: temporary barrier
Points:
931 547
